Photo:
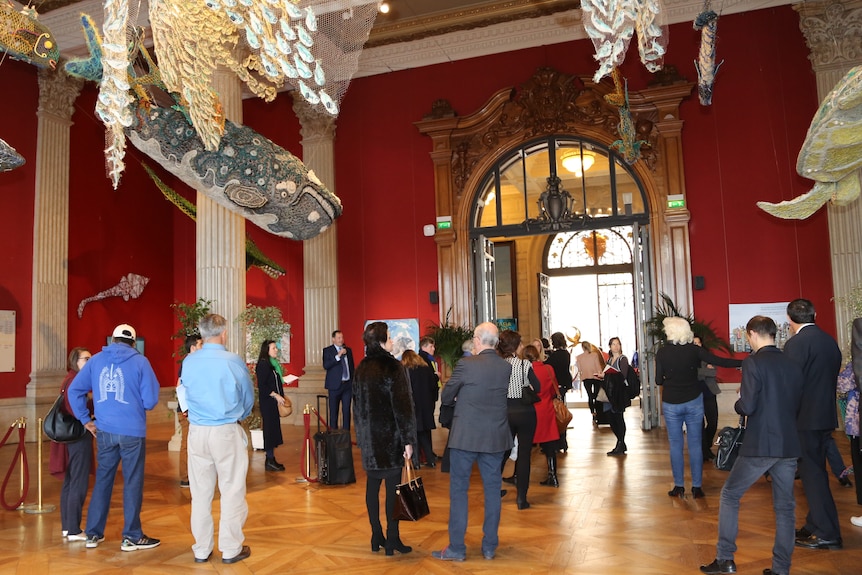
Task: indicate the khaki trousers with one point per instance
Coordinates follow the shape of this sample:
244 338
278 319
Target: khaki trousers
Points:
218 453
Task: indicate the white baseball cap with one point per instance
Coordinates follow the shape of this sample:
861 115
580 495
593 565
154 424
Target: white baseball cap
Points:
124 330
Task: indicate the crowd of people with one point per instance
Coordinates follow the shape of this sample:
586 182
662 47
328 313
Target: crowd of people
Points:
500 398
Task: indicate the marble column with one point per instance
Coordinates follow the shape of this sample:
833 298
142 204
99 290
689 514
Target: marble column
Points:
831 33
319 254
220 236
49 343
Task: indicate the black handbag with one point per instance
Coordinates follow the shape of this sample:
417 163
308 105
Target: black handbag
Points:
447 414
729 441
60 426
528 394
410 503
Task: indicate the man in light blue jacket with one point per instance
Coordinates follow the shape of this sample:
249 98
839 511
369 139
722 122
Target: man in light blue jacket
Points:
124 388
218 395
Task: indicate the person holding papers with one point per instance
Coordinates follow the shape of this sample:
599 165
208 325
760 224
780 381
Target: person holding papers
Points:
614 384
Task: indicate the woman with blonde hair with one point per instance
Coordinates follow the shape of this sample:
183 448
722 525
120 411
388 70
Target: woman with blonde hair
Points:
676 365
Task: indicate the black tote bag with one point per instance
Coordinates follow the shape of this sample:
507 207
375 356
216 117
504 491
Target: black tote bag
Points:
60 426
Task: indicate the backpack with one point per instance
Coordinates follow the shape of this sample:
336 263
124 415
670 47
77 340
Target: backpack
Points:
633 383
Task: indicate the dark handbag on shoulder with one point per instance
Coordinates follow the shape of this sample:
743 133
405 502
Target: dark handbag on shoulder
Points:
528 394
60 426
410 503
729 441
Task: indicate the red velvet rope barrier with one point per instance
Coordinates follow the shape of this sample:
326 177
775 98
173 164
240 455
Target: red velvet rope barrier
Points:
23 453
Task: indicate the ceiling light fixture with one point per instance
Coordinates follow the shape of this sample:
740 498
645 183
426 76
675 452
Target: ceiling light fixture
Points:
383 7
571 161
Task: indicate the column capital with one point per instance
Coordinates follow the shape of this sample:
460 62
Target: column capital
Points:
57 94
315 125
830 29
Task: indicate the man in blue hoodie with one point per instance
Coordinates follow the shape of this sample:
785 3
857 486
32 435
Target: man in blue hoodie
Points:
124 388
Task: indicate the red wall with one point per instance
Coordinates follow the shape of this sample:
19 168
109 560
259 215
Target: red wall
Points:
739 150
18 129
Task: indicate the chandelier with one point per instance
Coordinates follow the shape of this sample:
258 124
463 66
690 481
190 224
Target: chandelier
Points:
578 161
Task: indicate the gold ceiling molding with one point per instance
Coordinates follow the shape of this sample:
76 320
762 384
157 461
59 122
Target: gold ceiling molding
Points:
475 16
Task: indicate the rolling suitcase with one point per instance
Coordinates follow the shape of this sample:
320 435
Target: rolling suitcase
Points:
334 452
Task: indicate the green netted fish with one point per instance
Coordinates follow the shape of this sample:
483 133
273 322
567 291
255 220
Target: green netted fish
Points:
24 38
831 154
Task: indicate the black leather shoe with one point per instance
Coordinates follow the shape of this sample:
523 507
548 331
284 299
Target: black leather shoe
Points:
205 559
503 492
523 504
697 493
844 482
815 542
272 466
677 491
802 533
243 554
511 480
770 572
718 567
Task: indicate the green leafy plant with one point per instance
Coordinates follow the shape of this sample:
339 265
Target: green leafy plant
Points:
189 315
702 329
448 339
262 323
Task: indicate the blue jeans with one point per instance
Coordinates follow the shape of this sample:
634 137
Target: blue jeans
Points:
460 468
114 448
747 470
690 413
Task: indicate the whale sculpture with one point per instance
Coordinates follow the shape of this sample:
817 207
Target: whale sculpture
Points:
247 173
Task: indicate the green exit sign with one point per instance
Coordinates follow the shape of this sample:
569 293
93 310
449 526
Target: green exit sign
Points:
444 225
676 203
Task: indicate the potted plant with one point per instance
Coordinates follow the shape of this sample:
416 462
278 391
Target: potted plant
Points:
702 329
261 324
448 339
189 315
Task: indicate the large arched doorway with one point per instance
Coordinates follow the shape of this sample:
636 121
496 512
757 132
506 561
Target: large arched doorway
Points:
474 154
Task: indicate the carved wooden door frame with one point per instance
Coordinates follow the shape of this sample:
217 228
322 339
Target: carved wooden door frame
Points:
464 148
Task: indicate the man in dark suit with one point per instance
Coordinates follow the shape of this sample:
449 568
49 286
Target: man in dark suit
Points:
818 355
338 363
770 396
480 433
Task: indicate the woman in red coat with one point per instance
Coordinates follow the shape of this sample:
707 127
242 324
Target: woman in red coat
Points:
547 434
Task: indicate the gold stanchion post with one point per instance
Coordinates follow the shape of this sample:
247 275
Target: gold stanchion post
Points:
38 507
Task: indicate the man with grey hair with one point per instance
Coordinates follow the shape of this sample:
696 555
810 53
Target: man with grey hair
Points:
219 394
480 433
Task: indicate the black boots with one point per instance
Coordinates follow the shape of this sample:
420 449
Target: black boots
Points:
377 539
393 540
552 471
273 465
620 448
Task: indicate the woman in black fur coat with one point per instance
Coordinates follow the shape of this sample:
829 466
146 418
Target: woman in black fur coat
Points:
385 430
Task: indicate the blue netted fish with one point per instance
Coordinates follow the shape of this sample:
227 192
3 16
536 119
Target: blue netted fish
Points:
9 157
248 173
24 38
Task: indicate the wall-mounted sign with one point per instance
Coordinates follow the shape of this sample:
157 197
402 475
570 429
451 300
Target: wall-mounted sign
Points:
7 340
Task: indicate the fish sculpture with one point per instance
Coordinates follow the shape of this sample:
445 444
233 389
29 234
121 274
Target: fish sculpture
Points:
131 286
707 23
9 157
628 145
247 173
24 38
831 154
253 256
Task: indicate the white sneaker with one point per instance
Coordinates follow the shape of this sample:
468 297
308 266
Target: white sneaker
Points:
857 521
94 540
77 537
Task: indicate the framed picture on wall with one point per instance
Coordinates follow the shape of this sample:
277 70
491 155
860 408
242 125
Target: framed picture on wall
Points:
139 344
404 333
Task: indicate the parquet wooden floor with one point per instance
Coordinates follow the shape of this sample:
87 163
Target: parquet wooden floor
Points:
609 516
